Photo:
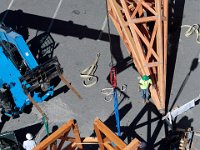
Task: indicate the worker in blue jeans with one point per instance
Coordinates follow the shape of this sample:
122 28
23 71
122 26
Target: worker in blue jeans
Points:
144 84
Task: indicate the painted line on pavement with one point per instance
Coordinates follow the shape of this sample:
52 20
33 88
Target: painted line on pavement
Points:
54 15
11 3
102 28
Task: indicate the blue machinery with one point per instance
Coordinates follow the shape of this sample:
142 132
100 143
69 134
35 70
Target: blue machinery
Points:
22 80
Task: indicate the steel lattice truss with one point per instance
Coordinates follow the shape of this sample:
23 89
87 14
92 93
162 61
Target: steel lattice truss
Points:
142 25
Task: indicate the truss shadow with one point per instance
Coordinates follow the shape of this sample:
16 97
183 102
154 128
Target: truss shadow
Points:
171 139
129 131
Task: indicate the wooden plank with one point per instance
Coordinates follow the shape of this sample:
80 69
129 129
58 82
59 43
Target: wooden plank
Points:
69 147
70 86
126 31
53 146
54 136
108 146
153 64
139 4
149 8
159 40
109 134
77 136
63 139
37 107
99 137
165 26
151 43
143 19
154 92
134 145
133 41
71 139
147 43
138 48
90 140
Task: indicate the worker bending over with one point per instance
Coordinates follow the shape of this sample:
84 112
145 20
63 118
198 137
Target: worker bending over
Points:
144 84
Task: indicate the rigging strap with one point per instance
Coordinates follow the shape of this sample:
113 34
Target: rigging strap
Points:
116 111
113 77
45 124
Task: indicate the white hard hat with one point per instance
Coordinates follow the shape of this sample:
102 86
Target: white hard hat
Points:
29 136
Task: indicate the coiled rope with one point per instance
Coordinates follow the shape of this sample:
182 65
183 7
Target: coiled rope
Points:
89 79
195 28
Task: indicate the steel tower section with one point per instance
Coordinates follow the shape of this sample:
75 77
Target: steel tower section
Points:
143 27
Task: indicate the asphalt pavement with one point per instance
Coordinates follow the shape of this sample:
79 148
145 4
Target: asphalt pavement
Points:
79 31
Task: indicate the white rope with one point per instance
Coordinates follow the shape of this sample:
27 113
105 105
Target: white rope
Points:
195 28
108 92
89 79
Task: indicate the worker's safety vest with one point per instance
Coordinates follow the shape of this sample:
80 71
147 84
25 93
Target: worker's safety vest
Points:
145 84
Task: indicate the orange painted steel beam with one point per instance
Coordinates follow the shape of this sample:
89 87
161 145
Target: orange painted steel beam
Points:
61 133
110 141
134 145
101 128
142 26
37 107
105 138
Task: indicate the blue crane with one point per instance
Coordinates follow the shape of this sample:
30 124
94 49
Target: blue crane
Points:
21 75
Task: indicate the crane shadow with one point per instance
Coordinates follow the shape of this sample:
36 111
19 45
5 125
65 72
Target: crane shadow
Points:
65 28
18 18
193 66
175 13
21 21
42 47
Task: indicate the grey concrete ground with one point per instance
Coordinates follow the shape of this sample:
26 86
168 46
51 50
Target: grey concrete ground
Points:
76 28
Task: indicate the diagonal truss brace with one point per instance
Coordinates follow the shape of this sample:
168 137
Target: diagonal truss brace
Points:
142 26
61 139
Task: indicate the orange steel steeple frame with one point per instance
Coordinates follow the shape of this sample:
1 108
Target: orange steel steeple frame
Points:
143 27
67 137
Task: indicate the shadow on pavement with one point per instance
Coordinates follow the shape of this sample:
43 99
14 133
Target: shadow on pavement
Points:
175 13
33 129
129 131
42 47
171 137
19 18
192 68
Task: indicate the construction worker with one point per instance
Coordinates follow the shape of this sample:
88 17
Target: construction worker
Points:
29 144
144 84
